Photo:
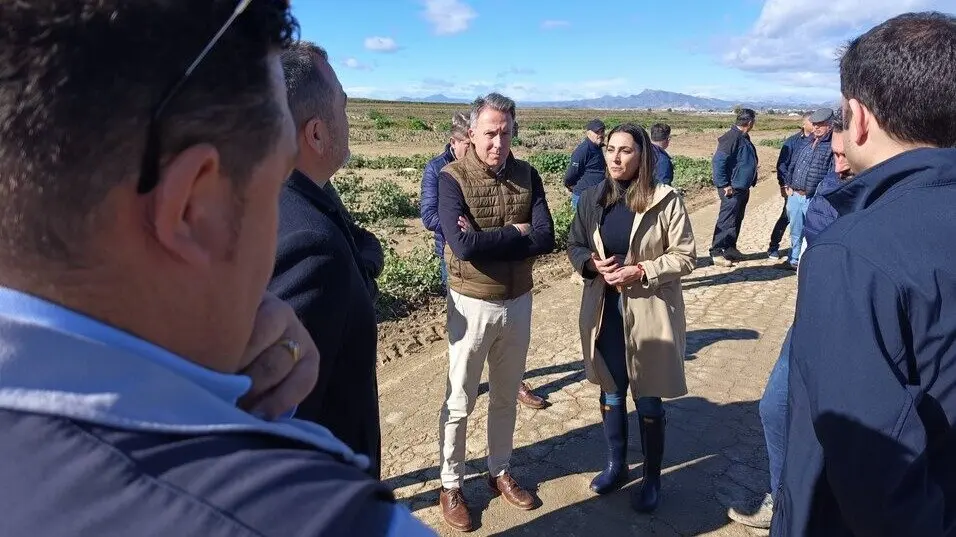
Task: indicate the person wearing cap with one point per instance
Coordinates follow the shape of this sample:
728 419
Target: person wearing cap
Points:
735 172
812 163
587 166
791 146
660 140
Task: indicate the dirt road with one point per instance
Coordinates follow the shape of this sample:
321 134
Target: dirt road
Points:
737 319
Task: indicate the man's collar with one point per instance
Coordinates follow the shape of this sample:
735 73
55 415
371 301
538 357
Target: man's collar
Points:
61 363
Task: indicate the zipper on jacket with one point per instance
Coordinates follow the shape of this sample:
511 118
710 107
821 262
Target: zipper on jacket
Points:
504 222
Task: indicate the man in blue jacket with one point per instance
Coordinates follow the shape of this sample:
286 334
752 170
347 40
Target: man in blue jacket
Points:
791 146
319 269
133 267
454 150
587 166
735 172
810 164
871 448
660 140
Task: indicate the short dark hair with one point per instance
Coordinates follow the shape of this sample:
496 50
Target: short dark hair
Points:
745 116
904 72
837 122
660 132
309 93
79 81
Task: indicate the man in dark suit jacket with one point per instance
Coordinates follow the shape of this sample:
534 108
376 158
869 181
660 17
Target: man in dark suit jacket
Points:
319 267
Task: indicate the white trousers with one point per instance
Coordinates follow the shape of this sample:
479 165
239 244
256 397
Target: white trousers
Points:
499 332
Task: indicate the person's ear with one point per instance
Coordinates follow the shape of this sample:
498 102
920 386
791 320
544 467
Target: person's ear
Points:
859 125
190 208
318 136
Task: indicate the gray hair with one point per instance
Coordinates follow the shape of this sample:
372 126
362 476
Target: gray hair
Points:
310 95
459 126
494 101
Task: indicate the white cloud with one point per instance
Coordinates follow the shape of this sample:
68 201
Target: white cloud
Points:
797 43
353 63
381 44
552 24
449 16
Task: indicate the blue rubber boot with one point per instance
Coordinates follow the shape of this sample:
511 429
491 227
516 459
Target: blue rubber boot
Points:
615 432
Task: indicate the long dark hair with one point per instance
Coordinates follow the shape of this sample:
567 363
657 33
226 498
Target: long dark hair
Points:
640 193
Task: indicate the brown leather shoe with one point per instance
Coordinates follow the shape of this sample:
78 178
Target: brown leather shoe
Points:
527 397
454 509
511 491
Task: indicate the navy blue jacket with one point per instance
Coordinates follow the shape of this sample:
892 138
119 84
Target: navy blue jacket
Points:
872 443
663 167
318 271
429 203
810 164
735 161
75 478
587 167
791 146
369 247
820 212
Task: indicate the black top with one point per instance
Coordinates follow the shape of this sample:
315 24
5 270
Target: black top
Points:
319 272
616 223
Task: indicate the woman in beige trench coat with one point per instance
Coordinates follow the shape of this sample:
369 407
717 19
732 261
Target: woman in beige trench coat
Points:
631 240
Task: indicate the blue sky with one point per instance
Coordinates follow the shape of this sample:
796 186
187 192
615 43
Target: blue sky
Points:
570 49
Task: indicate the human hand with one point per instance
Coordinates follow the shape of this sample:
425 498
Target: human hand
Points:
783 191
280 358
465 225
625 275
729 191
606 266
789 191
525 229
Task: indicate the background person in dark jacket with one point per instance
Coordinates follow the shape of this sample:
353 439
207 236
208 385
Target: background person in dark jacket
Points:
735 172
790 147
660 140
454 149
319 268
810 164
587 166
871 447
820 212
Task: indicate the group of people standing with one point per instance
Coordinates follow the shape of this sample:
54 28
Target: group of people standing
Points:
144 363
631 241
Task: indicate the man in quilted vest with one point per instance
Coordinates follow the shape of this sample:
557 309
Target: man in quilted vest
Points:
495 219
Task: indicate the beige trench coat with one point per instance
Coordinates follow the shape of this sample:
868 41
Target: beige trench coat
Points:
662 241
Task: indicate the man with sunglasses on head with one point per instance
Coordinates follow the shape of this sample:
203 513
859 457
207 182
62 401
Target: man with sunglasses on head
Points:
143 146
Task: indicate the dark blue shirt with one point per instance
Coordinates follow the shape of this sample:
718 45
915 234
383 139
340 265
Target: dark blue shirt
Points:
616 224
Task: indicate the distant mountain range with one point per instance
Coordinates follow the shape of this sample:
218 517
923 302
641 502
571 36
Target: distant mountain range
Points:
655 99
